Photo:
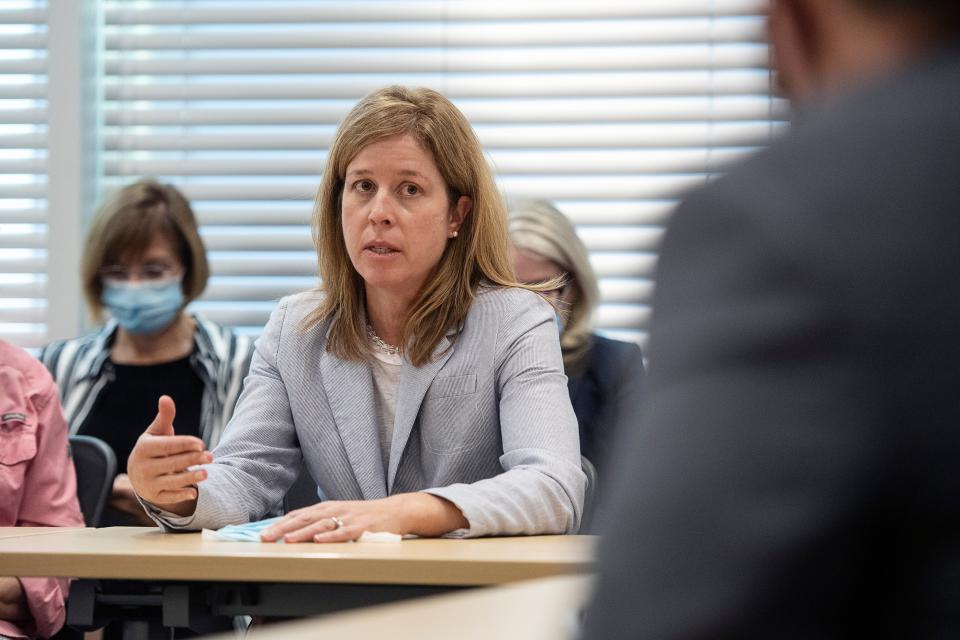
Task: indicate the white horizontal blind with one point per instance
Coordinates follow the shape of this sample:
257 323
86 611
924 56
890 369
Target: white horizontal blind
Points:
609 108
23 167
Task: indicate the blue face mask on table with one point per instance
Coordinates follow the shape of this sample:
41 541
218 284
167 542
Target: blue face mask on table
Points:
143 307
249 532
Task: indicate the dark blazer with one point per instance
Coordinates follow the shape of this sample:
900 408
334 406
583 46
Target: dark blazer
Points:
798 470
612 377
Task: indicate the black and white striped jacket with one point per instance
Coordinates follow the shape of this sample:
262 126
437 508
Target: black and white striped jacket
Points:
220 357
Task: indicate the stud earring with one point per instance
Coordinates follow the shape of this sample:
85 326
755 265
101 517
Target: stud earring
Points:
454 234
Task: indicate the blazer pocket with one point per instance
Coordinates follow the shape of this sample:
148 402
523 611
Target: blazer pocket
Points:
18 442
448 416
451 386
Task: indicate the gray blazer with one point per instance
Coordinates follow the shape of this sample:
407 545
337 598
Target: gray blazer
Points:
487 424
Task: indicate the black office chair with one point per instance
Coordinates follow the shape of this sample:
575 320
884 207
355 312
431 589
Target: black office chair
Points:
302 493
96 467
590 496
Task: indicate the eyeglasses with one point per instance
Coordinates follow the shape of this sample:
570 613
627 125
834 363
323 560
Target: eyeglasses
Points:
147 271
557 293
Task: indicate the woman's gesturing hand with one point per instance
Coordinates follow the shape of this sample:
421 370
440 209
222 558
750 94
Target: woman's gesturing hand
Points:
159 465
421 514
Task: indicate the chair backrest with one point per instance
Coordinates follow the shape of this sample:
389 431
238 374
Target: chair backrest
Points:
302 493
96 467
590 497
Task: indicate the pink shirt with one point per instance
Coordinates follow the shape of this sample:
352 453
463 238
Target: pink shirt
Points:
38 485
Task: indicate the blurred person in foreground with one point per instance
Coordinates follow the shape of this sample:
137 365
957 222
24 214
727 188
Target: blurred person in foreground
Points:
143 263
422 385
38 487
603 375
795 473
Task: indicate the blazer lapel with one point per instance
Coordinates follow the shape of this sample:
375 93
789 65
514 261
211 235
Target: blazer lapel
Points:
349 389
414 382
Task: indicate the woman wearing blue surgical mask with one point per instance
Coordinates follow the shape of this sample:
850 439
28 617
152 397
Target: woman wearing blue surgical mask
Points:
604 376
143 263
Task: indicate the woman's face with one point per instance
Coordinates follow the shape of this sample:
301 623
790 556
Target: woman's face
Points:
145 293
396 215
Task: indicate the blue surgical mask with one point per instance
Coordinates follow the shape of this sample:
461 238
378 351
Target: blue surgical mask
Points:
143 307
248 532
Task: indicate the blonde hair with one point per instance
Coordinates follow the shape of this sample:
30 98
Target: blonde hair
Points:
480 253
540 228
125 225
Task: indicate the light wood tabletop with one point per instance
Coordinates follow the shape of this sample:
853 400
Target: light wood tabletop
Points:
148 554
19 532
545 609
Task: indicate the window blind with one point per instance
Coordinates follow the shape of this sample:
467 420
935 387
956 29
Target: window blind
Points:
611 109
23 166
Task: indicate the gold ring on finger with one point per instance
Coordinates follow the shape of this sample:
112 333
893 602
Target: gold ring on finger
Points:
337 522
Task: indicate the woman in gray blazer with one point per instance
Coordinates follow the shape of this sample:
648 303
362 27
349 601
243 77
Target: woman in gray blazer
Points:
422 386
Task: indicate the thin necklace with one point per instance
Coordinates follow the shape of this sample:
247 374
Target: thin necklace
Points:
378 342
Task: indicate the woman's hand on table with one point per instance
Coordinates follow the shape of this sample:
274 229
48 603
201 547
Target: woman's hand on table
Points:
420 514
159 465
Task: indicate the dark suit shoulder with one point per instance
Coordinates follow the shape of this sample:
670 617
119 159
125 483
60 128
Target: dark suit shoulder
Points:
859 185
607 357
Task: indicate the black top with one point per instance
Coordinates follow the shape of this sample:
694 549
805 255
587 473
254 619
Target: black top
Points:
128 404
609 384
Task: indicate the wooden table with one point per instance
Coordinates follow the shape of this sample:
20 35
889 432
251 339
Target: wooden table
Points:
19 532
186 576
145 553
545 609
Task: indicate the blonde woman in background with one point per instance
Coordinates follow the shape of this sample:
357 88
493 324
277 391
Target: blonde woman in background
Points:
422 385
604 376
